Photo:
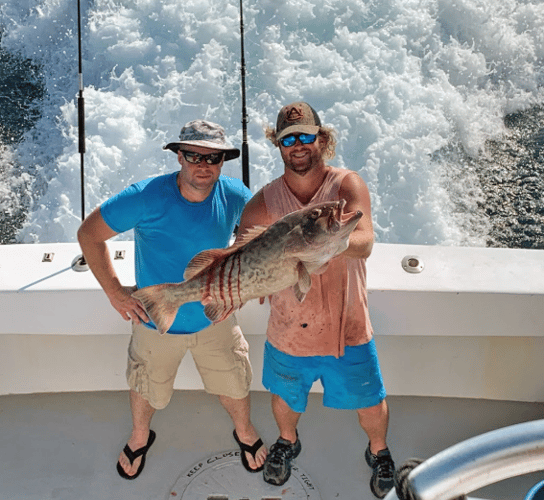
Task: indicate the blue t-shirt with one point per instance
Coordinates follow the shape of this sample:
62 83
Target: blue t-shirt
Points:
169 231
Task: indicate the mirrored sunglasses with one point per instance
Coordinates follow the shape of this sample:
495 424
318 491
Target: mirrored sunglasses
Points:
289 140
210 159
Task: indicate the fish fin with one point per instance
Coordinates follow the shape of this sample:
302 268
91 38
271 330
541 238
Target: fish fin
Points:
204 259
302 287
250 234
298 293
304 278
159 306
216 312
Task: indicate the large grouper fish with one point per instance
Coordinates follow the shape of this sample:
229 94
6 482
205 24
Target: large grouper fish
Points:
264 261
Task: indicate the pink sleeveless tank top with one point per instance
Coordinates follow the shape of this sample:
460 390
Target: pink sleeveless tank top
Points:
334 313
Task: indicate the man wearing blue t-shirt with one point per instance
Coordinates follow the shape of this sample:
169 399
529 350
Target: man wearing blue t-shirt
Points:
174 217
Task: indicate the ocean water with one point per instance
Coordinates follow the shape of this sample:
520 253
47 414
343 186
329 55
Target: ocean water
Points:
438 104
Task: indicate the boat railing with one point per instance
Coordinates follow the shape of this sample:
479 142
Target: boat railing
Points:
475 463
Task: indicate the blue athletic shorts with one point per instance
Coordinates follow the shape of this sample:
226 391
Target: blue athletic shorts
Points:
351 382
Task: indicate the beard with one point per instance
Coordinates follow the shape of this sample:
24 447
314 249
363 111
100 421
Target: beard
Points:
302 165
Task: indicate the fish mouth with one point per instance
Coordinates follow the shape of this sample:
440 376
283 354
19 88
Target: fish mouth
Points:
338 220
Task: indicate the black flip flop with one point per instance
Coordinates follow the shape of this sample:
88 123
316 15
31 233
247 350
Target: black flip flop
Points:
250 449
133 455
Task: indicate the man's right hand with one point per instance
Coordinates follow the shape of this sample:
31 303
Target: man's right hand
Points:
92 236
127 306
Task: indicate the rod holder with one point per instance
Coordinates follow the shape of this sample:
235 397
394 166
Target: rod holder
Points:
79 264
412 264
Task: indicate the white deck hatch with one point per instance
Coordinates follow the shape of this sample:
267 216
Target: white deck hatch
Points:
222 477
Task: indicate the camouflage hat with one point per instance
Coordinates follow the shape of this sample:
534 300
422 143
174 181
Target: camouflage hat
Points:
206 135
297 117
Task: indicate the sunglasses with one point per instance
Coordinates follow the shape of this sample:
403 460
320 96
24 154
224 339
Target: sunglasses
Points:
289 140
210 159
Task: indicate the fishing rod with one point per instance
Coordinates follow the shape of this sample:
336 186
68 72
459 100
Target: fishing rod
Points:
245 149
79 263
81 114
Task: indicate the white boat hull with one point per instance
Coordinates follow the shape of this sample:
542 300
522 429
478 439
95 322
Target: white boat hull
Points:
469 325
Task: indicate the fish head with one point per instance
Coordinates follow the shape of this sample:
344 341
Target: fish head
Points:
324 221
325 230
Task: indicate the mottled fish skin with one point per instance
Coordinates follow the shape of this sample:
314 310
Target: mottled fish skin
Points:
264 261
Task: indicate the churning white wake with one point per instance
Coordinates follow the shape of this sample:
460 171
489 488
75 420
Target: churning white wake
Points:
400 80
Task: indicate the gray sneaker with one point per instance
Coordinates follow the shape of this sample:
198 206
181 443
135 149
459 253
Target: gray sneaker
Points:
383 475
277 468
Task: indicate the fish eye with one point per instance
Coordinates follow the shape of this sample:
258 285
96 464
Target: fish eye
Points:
315 213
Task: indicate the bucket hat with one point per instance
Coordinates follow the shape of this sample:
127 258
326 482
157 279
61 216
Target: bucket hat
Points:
207 135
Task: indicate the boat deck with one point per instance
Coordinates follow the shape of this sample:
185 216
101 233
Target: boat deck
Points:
65 445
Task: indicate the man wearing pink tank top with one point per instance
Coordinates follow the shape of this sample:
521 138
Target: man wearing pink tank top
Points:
327 337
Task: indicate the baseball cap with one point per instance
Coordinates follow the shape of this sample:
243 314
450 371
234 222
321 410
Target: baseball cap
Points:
297 117
207 135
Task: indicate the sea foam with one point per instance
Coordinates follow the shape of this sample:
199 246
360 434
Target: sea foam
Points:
400 80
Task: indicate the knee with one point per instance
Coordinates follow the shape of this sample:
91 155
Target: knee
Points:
379 411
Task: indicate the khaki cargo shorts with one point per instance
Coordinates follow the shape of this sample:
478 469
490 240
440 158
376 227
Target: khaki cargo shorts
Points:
220 353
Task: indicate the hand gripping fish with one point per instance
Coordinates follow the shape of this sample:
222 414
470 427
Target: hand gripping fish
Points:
264 261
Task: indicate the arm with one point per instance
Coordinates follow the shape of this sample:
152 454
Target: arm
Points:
254 214
92 236
355 191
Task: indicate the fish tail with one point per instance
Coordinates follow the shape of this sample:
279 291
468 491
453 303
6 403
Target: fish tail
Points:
160 304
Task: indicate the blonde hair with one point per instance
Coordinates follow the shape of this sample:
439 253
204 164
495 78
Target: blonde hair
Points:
327 134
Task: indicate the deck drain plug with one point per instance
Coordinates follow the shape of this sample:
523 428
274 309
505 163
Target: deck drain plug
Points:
222 477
